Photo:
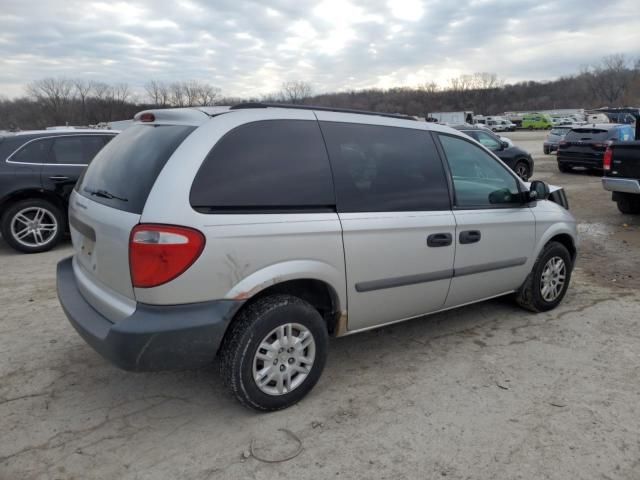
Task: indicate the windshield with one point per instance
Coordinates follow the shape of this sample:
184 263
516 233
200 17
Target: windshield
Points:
123 172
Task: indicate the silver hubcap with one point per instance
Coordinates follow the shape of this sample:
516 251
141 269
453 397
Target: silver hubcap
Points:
554 275
284 359
34 226
521 171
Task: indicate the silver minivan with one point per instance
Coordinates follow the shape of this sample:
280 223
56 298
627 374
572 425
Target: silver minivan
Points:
253 233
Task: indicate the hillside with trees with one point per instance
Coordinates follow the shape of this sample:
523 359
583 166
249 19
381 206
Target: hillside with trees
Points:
614 81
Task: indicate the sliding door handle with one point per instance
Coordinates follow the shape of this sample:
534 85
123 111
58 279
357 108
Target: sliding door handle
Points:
470 236
439 240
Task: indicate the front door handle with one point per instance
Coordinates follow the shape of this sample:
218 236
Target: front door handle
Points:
470 236
58 178
439 240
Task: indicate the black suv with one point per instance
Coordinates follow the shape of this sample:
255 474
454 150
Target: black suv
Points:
38 170
584 146
517 159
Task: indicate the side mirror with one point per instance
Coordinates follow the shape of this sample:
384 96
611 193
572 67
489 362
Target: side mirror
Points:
504 145
538 191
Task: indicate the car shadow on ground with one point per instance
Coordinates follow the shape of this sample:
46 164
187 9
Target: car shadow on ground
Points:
375 357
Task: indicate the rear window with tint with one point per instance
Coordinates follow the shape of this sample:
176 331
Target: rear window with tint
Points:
588 134
270 165
127 167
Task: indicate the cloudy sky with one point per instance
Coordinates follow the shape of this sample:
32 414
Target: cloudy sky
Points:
250 47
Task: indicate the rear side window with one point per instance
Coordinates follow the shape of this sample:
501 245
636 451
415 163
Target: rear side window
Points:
33 152
123 172
266 165
75 150
380 169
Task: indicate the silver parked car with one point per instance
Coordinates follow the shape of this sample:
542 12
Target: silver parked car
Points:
555 136
254 233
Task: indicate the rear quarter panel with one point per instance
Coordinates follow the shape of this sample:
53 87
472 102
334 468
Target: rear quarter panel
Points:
244 253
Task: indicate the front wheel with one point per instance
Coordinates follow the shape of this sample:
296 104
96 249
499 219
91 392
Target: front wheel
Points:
547 284
32 225
563 168
274 352
522 170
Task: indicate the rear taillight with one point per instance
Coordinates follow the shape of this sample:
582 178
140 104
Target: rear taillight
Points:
608 159
160 253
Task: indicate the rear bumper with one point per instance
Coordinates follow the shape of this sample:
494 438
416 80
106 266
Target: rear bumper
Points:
154 337
625 185
580 161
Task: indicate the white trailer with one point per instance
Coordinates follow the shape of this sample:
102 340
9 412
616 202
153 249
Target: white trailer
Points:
453 118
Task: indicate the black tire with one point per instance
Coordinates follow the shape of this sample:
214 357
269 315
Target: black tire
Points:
530 296
522 170
250 327
564 168
546 150
35 203
628 205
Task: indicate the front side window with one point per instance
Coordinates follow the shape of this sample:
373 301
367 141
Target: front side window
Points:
270 164
381 169
33 152
479 179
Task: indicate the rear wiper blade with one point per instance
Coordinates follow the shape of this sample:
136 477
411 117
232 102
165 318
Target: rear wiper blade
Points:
104 194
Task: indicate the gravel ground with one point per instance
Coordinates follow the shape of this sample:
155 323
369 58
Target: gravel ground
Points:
484 392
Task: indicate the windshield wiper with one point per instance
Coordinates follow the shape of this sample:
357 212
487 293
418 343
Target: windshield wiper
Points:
104 194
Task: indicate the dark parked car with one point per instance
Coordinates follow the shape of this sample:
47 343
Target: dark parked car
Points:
38 170
585 146
622 175
517 159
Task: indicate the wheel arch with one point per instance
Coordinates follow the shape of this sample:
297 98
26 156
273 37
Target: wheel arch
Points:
32 193
317 283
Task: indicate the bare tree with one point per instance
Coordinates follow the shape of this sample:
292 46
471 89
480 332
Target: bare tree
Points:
610 79
55 93
83 89
177 95
158 93
207 95
295 91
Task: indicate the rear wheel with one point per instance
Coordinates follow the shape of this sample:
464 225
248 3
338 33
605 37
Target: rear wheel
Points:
548 281
522 170
274 352
628 205
546 150
33 225
563 168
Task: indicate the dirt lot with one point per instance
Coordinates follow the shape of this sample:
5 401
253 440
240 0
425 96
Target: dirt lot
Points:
485 392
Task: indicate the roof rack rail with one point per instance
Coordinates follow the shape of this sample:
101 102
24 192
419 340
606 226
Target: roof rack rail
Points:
241 106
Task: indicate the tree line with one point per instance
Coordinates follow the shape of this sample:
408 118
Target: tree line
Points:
614 81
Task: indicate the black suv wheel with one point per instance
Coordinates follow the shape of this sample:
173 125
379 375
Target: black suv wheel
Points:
32 225
274 352
522 170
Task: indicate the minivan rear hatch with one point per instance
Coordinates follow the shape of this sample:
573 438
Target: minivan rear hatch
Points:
107 203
